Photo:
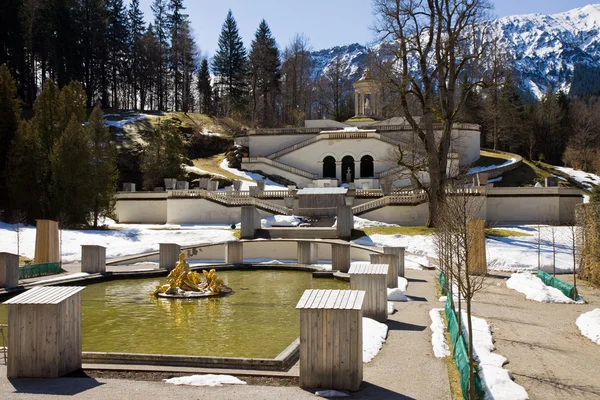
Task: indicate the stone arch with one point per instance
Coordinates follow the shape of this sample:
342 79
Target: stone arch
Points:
329 168
367 166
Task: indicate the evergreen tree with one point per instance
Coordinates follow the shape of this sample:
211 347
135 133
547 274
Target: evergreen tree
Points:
94 15
26 170
163 156
510 135
70 178
177 28
230 65
117 36
161 27
265 73
10 114
102 169
188 68
149 63
204 89
136 30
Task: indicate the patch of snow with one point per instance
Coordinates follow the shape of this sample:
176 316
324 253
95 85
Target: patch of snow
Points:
476 170
250 176
374 335
588 180
199 171
280 220
205 380
390 307
360 223
534 289
396 295
129 120
589 325
438 339
330 393
443 299
206 132
496 381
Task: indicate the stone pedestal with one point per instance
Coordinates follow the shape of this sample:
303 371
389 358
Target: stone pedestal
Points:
47 248
9 270
307 253
234 252
340 257
250 222
93 259
212 186
399 251
168 255
345 222
392 261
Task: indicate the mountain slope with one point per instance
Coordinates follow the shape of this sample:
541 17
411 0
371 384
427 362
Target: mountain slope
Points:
546 49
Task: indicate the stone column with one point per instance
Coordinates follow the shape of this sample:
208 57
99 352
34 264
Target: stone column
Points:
168 255
357 169
9 270
355 103
399 251
250 222
340 257
93 259
338 171
234 252
307 253
392 261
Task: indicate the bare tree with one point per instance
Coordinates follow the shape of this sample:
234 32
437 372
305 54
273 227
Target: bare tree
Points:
436 42
456 212
18 221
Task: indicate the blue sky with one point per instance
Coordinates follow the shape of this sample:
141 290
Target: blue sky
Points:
326 23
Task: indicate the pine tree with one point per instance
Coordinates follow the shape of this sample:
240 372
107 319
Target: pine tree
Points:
94 15
188 67
149 63
161 26
204 88
117 34
163 156
230 65
265 73
25 169
177 22
102 169
136 30
10 114
70 178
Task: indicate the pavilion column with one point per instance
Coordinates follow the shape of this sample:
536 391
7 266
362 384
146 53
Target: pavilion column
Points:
357 170
339 172
356 103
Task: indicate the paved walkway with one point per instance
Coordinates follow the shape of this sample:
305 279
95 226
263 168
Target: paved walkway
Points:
404 369
547 354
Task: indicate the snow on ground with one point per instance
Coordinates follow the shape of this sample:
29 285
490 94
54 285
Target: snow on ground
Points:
360 223
330 393
496 381
438 340
122 241
512 254
128 120
589 325
587 179
206 132
205 380
280 220
534 289
252 176
199 171
476 170
398 294
390 307
374 335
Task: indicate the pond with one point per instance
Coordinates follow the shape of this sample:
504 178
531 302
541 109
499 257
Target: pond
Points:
259 320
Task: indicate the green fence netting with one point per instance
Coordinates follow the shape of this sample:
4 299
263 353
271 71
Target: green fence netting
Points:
32 270
567 289
460 352
442 279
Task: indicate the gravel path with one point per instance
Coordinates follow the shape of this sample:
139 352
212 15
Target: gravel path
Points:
547 354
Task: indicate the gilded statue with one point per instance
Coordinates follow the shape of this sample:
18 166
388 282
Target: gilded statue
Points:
182 281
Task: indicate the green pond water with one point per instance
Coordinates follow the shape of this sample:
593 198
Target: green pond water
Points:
259 320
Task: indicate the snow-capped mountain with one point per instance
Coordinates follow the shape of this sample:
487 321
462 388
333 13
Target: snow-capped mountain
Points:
545 48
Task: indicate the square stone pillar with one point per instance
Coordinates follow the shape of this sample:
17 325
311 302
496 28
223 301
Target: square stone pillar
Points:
338 172
476 238
340 257
345 222
168 255
399 251
93 259
47 248
234 252
250 222
9 270
392 261
307 253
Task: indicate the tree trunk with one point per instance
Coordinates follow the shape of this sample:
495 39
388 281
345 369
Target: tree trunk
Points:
472 391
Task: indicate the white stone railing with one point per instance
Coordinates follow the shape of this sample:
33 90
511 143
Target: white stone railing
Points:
237 199
397 199
280 165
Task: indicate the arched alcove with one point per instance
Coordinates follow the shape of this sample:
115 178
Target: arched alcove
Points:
329 167
348 164
367 169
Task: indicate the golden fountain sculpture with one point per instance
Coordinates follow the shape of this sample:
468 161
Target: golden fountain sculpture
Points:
181 282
